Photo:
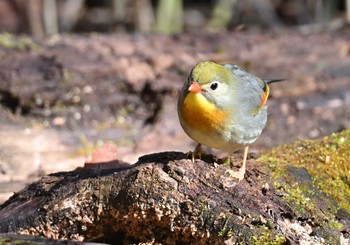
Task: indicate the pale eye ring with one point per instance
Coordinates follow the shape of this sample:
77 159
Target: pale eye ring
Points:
214 86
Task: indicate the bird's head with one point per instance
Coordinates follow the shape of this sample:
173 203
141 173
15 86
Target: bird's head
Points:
210 79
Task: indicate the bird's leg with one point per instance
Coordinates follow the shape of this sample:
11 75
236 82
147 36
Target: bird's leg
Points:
197 152
240 173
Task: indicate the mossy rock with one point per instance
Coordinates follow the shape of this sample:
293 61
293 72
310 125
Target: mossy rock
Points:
296 194
313 176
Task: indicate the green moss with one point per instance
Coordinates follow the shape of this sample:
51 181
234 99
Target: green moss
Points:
268 238
224 229
314 177
335 225
22 43
299 195
18 241
326 160
227 162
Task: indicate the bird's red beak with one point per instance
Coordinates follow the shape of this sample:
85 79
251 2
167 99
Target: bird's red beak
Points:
195 87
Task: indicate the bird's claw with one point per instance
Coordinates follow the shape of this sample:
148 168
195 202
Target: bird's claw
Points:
236 174
240 173
198 152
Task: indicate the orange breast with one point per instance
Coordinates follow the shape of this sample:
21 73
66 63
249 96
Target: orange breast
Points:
201 114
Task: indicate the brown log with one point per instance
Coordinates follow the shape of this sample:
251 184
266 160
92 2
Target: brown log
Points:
164 198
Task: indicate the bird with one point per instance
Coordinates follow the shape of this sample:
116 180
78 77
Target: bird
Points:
222 106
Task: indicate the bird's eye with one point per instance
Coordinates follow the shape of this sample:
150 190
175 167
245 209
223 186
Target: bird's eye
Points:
213 86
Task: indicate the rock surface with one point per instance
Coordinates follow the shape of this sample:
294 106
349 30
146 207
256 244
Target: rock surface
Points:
166 198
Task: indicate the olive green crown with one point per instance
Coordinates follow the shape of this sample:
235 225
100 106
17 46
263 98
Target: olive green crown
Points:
207 72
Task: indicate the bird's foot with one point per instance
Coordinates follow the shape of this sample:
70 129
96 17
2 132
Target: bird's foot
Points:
236 174
197 153
240 173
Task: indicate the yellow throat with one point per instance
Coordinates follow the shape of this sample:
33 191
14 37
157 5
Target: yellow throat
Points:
201 114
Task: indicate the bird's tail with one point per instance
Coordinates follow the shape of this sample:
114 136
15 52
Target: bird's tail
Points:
268 81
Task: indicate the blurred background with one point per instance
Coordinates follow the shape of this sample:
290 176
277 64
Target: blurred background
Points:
40 18
75 75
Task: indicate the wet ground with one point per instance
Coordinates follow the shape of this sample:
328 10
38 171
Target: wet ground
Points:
62 97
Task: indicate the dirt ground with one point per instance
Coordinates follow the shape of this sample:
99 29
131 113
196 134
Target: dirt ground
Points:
63 96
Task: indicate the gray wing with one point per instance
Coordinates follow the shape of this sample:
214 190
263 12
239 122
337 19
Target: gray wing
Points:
251 88
247 126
